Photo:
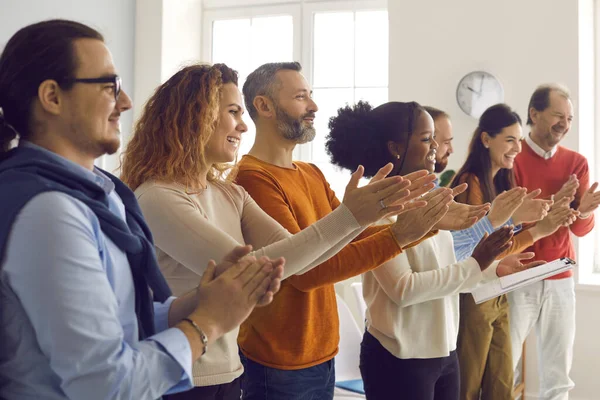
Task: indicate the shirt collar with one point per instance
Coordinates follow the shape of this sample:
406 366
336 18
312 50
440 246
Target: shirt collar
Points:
95 176
538 150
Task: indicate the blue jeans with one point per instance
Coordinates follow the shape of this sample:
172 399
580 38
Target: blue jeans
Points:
265 383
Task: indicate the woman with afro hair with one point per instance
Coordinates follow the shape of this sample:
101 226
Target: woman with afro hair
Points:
409 346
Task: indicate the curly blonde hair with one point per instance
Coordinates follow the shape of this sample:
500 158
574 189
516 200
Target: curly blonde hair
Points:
170 138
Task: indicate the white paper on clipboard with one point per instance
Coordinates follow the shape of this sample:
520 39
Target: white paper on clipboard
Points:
512 282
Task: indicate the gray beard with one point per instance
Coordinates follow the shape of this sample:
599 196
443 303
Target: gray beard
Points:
292 129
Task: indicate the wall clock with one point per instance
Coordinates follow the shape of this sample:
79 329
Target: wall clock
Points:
477 91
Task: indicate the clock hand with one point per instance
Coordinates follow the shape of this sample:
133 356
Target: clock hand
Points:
473 90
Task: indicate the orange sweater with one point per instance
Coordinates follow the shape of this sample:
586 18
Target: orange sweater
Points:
474 196
532 172
300 328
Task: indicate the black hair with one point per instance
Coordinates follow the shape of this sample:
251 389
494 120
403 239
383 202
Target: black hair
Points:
359 134
33 55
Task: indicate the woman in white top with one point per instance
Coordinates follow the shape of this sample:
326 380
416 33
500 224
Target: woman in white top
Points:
408 350
189 130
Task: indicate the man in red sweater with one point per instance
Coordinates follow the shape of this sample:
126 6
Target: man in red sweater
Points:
550 305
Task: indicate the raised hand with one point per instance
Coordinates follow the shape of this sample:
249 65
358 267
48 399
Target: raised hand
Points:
224 302
512 264
415 223
491 246
275 285
532 209
504 206
421 183
568 189
560 215
589 201
235 256
232 257
461 216
381 198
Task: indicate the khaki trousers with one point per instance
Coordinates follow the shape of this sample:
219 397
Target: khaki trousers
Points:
484 350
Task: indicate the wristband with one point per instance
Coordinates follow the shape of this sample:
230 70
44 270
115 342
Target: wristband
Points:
203 337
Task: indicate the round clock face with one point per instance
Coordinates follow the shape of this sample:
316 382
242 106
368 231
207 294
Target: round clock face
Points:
477 91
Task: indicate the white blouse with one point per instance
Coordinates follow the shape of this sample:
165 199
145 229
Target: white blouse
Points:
412 300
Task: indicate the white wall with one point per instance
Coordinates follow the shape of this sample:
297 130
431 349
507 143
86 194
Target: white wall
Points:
182 32
115 19
433 43
148 51
168 35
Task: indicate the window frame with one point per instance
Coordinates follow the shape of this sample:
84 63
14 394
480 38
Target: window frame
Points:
303 16
308 12
212 15
588 258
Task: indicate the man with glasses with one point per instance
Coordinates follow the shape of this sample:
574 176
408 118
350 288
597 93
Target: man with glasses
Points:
84 310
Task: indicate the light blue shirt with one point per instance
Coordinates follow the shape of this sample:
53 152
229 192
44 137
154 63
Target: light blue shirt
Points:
68 328
466 240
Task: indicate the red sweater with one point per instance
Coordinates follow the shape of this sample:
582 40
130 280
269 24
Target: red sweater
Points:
533 172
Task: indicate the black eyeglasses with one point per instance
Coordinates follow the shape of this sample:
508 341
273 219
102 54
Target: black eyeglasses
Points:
115 80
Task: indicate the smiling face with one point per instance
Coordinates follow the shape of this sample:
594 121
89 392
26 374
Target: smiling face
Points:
422 147
443 137
91 119
504 147
294 107
225 141
551 125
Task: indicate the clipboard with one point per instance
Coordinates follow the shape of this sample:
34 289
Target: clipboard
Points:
521 279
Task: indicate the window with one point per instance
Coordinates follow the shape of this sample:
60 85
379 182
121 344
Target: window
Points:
589 145
245 40
343 65
347 64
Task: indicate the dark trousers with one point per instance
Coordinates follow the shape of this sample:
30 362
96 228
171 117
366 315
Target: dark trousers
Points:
265 383
387 377
226 391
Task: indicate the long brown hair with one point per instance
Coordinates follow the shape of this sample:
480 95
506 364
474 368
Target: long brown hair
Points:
170 138
478 163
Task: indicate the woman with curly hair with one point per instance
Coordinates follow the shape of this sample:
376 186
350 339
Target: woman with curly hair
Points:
409 346
189 131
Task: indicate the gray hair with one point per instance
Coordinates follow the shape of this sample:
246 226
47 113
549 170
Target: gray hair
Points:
261 82
540 99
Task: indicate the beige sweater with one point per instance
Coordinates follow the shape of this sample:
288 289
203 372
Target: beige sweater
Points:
191 229
412 300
